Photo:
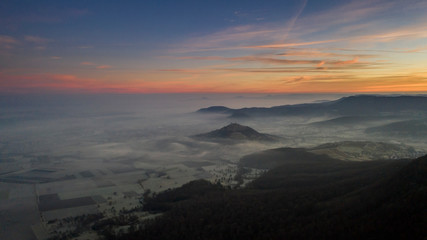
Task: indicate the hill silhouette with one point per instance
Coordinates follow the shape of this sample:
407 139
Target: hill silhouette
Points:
359 105
235 131
412 128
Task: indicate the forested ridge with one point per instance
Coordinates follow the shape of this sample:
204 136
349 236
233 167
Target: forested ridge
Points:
309 199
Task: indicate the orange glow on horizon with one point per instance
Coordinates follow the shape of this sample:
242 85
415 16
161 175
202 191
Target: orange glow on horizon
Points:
217 82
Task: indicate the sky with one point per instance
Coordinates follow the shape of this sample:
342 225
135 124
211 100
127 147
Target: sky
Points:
167 46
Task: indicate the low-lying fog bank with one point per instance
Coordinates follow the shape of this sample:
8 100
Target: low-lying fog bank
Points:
88 153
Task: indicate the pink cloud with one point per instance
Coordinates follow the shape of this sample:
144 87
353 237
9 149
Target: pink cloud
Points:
201 58
87 63
416 50
7 42
49 82
352 61
272 60
96 65
293 44
36 40
103 67
320 64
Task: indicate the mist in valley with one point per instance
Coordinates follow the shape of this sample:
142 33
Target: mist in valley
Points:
88 153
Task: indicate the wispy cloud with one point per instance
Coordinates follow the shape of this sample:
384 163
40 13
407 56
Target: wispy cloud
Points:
347 19
103 67
37 40
87 63
97 66
293 20
27 83
416 50
293 44
403 33
352 61
312 52
7 42
273 60
48 82
323 63
231 38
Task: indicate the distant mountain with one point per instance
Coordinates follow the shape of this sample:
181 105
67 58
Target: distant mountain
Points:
359 105
412 128
215 109
349 121
236 131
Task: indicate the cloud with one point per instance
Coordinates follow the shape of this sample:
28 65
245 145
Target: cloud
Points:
416 50
403 33
96 65
285 34
87 63
55 57
27 83
295 79
40 48
293 44
352 61
317 63
273 60
200 57
36 40
344 14
236 37
48 82
103 67
320 64
188 71
7 42
347 19
325 52
291 23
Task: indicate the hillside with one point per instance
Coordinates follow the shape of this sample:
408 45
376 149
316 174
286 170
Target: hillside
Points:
408 128
360 105
305 198
349 121
366 150
236 132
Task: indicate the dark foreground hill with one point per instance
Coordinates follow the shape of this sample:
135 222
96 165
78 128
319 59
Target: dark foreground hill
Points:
236 131
303 198
360 105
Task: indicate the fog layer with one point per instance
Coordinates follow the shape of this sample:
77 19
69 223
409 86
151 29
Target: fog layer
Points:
75 146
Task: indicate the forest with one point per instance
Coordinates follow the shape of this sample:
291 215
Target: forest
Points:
305 199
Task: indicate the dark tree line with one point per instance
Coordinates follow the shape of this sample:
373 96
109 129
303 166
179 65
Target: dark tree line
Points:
321 200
